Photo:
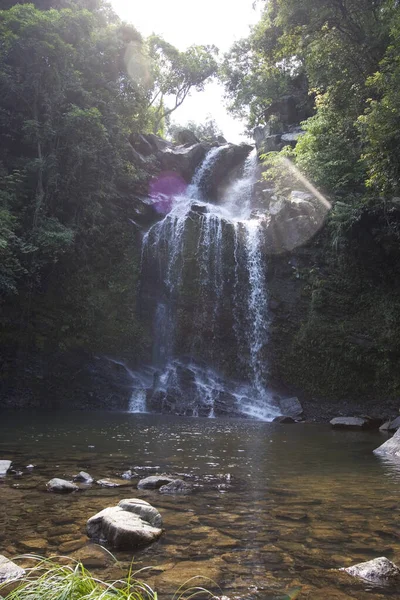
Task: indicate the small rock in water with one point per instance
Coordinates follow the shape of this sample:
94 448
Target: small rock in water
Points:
177 486
127 475
83 477
4 466
154 482
109 483
380 571
391 447
9 570
349 423
30 467
61 486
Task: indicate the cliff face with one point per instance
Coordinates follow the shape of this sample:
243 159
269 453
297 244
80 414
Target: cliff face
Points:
335 335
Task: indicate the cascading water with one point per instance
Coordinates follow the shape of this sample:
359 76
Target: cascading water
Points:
211 303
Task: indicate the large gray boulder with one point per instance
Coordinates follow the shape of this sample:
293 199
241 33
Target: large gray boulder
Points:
123 528
61 486
291 407
186 137
380 571
4 466
391 447
349 423
154 482
9 570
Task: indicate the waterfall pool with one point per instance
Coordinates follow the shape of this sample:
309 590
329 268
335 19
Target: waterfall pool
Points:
274 506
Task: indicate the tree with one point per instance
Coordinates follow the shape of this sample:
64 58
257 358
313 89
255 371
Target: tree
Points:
206 132
175 74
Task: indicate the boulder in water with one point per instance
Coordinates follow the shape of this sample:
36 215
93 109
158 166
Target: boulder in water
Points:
284 420
4 466
83 477
9 570
350 423
143 509
154 482
291 407
61 486
390 448
123 528
380 571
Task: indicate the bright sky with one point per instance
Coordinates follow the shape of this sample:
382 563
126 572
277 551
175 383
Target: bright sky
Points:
186 22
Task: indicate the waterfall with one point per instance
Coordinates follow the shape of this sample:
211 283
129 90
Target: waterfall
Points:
207 272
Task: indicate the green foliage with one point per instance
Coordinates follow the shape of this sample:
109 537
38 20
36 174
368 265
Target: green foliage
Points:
175 74
49 580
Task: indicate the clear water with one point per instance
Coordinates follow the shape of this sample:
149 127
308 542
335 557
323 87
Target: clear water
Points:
274 506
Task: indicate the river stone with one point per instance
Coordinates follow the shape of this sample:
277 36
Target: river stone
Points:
283 420
9 570
121 528
349 423
83 477
61 486
390 447
4 466
380 571
291 407
177 486
143 509
153 482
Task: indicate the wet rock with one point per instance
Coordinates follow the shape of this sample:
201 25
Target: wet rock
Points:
83 477
72 545
392 425
184 570
349 423
291 407
229 159
283 420
123 528
390 447
127 475
177 486
4 466
107 482
143 509
183 160
61 486
200 209
380 571
154 482
9 570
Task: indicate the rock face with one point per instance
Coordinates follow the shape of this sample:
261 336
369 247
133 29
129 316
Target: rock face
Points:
183 160
4 466
154 482
9 570
131 524
380 571
223 170
187 137
61 486
390 447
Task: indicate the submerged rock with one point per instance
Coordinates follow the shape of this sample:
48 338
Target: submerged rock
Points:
126 526
61 486
9 570
390 447
154 482
4 466
111 483
380 571
177 486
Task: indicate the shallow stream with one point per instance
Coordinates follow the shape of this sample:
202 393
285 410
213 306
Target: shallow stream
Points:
274 506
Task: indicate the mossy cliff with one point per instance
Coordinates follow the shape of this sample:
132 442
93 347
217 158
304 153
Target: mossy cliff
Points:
335 334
